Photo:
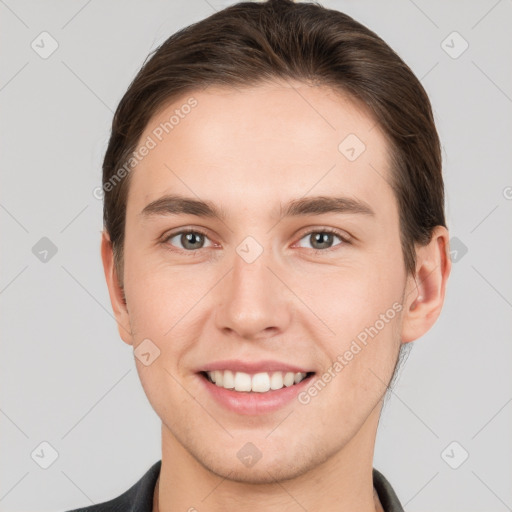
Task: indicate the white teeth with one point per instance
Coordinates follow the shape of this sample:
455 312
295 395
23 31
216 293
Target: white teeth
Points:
289 378
258 383
276 381
218 377
242 381
228 380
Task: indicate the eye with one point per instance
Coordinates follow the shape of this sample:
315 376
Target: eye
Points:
192 240
189 240
323 239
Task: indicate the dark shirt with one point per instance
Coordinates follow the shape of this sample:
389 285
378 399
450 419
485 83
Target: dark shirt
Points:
139 497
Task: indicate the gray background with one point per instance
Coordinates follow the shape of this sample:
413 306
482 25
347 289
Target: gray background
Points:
69 380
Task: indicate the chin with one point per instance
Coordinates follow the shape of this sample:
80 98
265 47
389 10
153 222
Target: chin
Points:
261 475
280 466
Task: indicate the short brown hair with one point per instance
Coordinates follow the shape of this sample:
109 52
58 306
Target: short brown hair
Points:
249 43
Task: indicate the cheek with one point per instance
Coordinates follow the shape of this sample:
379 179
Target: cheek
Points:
361 362
362 305
158 294
160 382
353 296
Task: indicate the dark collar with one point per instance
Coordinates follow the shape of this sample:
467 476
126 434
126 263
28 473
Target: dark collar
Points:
387 496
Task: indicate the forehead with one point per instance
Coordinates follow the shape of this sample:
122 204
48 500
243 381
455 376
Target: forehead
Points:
241 145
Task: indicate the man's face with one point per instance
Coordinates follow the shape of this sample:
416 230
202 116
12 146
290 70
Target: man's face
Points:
258 287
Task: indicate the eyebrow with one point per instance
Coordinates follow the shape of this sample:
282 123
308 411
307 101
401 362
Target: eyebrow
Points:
316 205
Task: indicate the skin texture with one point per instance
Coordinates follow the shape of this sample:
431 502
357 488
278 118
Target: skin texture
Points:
247 151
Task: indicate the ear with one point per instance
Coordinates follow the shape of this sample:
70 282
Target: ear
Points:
115 291
425 291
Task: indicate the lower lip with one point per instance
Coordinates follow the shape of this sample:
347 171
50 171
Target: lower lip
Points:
253 403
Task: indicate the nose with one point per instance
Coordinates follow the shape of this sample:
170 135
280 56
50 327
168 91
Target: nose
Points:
254 303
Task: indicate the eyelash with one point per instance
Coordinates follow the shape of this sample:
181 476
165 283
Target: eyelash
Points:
345 240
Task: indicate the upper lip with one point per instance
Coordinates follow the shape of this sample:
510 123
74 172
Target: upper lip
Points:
252 366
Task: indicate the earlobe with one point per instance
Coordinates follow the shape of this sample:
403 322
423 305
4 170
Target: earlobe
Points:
115 291
425 293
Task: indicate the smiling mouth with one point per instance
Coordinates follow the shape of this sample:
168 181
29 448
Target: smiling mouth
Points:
262 382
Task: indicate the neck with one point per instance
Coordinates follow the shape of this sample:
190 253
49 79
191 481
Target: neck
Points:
344 479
